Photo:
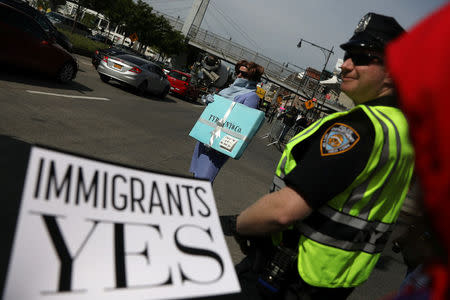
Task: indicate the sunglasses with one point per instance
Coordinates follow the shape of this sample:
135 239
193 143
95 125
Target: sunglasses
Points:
244 74
362 59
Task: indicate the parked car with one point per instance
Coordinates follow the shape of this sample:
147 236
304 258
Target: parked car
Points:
112 51
43 21
130 50
135 71
180 85
101 38
165 67
27 45
66 23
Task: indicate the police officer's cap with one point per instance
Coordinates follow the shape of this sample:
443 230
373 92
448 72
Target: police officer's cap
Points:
374 31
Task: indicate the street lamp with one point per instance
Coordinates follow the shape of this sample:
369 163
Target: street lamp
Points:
327 54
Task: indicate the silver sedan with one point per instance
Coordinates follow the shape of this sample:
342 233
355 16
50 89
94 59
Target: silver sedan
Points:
140 73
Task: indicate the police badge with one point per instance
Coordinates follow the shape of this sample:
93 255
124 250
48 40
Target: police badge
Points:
338 139
363 23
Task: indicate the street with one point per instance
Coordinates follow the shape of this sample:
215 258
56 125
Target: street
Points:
112 123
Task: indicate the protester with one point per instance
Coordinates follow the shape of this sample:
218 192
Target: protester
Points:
271 113
424 100
207 162
288 121
338 188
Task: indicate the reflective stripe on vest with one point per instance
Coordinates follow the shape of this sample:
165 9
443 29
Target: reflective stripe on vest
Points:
333 228
277 184
345 236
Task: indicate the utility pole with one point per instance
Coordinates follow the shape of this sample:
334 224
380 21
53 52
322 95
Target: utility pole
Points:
327 54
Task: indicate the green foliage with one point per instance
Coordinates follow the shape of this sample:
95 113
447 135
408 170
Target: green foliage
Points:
89 20
138 17
44 4
96 5
54 3
140 20
82 44
118 10
172 43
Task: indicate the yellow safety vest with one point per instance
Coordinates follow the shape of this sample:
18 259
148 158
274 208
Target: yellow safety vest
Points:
341 241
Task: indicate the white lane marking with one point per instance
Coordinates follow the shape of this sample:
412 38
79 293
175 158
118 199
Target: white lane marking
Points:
68 96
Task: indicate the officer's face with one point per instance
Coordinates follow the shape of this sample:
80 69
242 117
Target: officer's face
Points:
363 76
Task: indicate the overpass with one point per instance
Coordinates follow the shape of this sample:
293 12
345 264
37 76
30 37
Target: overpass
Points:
232 52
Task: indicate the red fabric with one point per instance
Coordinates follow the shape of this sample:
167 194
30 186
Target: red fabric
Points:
419 63
440 280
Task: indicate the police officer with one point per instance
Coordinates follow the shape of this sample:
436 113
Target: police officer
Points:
339 185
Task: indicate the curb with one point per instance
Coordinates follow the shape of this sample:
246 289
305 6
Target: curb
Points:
82 52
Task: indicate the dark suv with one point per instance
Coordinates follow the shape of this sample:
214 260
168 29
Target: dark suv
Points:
97 56
27 45
43 21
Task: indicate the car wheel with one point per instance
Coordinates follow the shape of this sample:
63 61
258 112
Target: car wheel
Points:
104 78
66 73
164 93
142 88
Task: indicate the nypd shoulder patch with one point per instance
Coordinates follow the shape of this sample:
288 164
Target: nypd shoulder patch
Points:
337 139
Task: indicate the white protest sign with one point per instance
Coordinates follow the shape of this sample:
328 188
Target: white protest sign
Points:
93 230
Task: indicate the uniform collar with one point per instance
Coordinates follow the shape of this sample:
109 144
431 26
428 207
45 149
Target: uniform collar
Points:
389 100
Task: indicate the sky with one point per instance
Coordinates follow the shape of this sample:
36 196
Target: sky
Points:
275 27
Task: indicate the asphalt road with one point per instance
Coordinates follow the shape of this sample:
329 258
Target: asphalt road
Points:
110 122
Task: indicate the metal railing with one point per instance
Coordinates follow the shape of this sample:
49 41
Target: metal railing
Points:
274 71
278 133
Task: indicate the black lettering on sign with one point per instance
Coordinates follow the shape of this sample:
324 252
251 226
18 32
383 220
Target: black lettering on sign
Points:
120 253
65 258
208 211
188 189
137 187
175 199
122 196
74 185
198 252
81 187
105 190
53 182
156 202
38 179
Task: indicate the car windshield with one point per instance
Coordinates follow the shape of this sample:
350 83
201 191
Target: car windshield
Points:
178 76
56 17
133 59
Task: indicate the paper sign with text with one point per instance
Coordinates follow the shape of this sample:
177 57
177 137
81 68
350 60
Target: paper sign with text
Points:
93 230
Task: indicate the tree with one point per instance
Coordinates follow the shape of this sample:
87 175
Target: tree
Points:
89 20
172 42
118 11
54 3
98 5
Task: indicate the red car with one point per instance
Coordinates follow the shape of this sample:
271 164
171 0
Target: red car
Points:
25 44
180 85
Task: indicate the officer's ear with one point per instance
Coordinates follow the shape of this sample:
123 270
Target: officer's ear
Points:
388 82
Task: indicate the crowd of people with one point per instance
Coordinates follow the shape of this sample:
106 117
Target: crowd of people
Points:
340 184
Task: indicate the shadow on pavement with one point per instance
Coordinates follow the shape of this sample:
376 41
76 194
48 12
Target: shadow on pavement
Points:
132 90
39 79
385 261
194 102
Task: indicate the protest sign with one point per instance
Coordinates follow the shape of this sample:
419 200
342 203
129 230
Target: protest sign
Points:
88 229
